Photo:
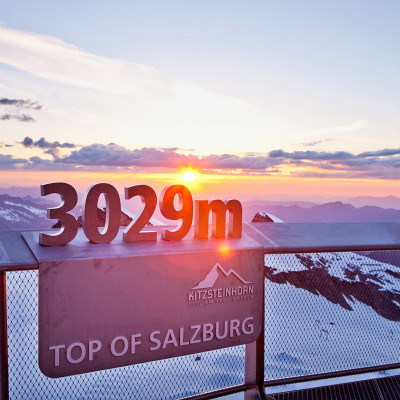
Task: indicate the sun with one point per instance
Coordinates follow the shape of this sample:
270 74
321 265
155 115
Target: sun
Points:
189 176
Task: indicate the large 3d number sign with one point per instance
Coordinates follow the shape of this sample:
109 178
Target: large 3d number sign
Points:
134 233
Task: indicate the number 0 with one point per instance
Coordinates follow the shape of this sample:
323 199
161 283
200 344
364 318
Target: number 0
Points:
113 213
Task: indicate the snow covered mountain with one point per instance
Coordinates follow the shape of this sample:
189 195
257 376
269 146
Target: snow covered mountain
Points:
30 213
24 212
263 216
342 278
330 312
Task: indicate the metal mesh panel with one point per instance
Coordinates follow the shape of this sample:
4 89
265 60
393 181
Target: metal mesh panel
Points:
329 312
380 389
166 379
364 390
389 387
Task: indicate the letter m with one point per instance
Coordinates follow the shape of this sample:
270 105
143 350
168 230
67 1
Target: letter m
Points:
218 209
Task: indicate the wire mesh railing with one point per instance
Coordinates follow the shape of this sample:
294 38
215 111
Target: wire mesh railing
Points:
324 313
165 379
329 312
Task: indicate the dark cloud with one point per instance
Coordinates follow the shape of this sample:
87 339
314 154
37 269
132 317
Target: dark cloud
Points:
42 143
9 162
17 117
27 142
29 104
311 155
118 156
14 107
40 164
379 153
113 155
380 164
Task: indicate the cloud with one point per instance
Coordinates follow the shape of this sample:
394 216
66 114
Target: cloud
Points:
118 156
380 153
113 155
312 144
379 164
51 58
316 142
42 143
311 155
17 117
29 104
15 106
9 162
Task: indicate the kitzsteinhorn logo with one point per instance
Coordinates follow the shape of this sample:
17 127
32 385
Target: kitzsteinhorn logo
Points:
236 289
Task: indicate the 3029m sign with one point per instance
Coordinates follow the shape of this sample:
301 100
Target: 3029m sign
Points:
134 232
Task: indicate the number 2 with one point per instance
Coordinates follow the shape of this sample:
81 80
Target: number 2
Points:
149 198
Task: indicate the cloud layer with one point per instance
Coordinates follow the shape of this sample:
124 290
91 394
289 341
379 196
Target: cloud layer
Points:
381 164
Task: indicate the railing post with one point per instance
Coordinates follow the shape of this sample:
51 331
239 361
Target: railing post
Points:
254 363
3 339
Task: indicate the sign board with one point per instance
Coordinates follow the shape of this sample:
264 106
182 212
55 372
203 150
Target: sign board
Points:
103 306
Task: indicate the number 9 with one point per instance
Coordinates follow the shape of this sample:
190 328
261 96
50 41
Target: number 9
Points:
168 210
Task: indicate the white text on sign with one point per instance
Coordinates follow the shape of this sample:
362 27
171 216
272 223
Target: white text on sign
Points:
121 345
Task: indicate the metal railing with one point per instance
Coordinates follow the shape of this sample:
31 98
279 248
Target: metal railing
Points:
326 314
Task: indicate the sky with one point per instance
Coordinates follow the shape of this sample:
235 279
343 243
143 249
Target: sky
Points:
258 98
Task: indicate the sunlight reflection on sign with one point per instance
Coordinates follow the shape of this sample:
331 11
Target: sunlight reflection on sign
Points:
224 248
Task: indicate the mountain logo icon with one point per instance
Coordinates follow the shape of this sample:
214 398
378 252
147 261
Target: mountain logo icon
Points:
216 272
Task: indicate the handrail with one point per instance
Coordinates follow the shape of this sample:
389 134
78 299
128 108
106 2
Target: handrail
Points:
283 238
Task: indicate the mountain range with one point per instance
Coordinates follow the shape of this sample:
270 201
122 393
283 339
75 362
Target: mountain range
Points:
24 212
329 212
31 213
27 212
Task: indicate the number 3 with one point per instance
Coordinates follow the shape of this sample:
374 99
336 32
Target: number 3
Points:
69 223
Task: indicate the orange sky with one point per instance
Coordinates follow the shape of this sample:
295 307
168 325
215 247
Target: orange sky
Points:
224 186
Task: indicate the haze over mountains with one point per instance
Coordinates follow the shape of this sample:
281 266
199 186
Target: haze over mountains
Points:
23 208
328 212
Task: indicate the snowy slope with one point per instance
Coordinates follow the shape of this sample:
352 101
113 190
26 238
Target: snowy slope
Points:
341 278
24 212
308 334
